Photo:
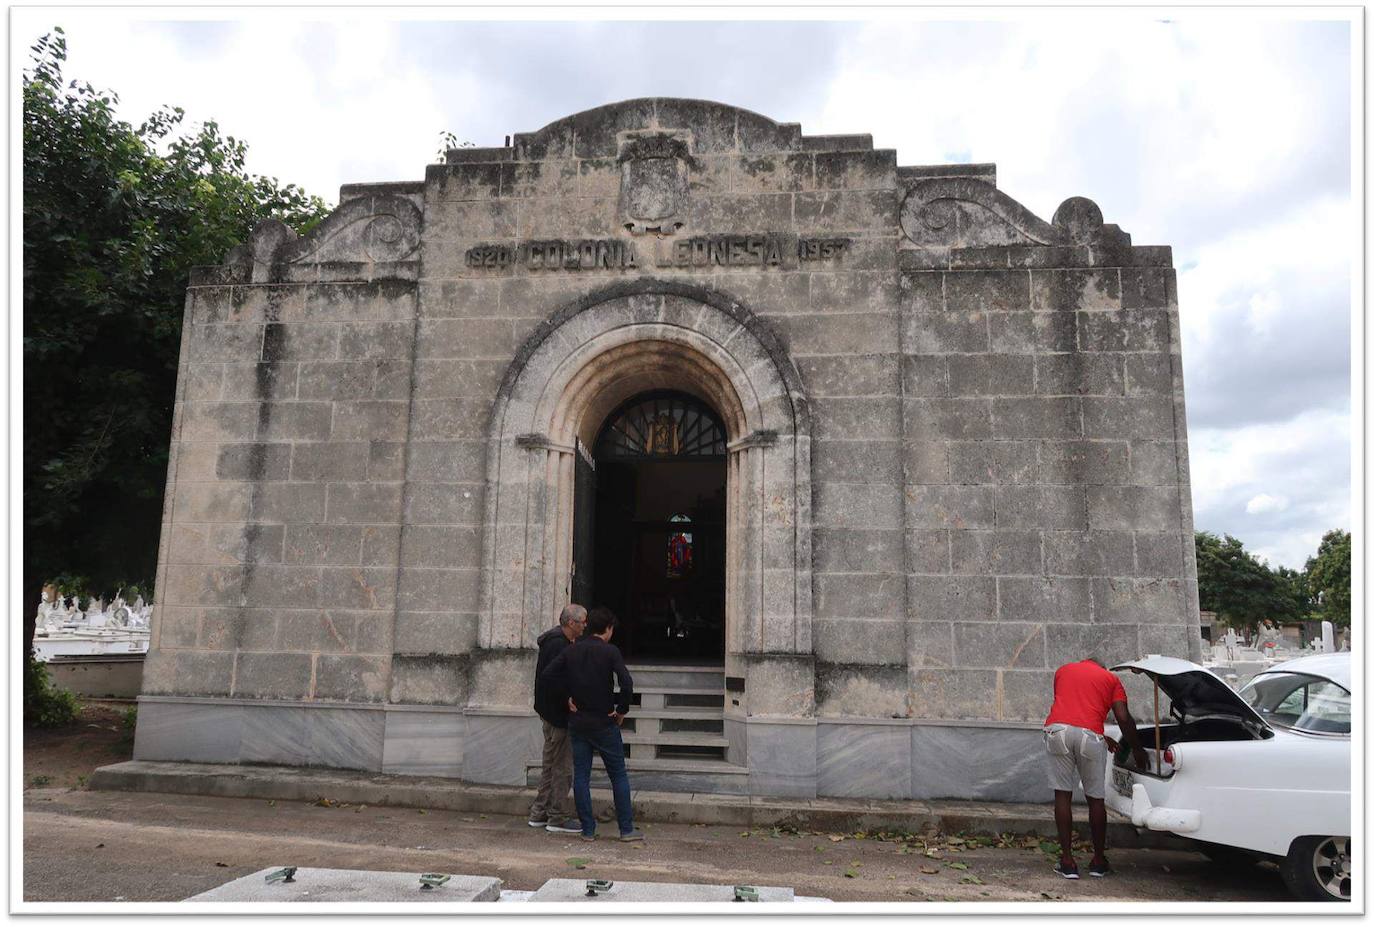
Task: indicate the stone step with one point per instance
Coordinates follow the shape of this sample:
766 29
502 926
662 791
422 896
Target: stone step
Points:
695 714
708 678
676 739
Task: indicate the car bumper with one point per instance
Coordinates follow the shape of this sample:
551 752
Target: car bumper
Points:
1144 813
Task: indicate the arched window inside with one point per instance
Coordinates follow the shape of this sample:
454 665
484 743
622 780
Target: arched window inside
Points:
680 548
661 425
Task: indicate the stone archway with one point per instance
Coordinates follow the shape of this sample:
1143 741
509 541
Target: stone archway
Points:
577 368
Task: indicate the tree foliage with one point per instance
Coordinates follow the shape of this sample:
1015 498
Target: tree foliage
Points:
114 218
1243 589
1328 577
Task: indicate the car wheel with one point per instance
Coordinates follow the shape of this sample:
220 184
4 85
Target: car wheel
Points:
1230 857
1318 868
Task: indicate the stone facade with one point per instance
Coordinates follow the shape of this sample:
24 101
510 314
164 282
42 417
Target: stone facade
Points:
958 453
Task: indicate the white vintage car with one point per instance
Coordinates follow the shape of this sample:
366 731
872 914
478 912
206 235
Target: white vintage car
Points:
1259 773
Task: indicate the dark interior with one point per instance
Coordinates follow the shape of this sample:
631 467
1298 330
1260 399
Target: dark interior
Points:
657 532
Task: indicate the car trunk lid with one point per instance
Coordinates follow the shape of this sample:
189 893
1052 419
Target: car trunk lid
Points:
1196 692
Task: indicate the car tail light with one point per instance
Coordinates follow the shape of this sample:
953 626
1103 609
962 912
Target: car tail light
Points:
1171 757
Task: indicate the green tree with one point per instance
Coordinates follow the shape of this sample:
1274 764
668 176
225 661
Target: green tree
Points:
114 218
1241 588
1328 577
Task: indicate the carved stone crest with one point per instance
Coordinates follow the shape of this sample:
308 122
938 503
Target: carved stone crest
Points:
653 183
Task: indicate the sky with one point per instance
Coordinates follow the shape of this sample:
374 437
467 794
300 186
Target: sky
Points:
1224 135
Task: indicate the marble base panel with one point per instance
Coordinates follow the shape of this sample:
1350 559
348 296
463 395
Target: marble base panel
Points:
244 732
189 733
982 763
736 742
782 759
829 758
424 743
498 748
856 760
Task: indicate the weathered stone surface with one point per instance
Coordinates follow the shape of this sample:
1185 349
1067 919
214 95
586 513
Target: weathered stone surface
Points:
956 459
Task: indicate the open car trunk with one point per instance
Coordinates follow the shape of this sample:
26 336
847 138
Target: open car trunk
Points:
1202 707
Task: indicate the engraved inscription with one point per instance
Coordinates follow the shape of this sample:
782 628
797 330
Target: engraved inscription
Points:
764 249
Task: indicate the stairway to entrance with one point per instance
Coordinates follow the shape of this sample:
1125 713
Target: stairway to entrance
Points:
675 732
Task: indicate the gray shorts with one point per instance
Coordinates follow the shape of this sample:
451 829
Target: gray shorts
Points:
1073 754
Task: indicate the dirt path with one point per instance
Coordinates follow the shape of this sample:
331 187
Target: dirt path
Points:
67 756
140 847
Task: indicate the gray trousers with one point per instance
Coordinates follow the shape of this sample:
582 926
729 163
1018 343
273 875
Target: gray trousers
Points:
555 781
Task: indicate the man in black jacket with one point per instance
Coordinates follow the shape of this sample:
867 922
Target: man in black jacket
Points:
584 673
550 808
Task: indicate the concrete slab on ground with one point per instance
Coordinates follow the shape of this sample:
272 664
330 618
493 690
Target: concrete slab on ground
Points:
352 885
567 891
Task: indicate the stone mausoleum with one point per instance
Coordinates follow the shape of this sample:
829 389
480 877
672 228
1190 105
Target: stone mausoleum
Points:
859 453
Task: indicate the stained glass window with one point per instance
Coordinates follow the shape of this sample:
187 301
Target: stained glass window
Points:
657 425
680 549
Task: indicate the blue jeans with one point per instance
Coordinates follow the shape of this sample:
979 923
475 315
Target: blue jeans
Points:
606 742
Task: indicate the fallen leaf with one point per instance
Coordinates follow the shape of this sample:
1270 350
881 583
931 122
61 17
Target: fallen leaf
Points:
836 838
971 880
359 808
272 803
1166 869
932 853
423 811
577 862
958 865
222 865
744 833
929 870
850 874
99 845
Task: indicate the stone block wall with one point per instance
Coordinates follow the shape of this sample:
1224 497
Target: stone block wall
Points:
277 576
1048 513
989 408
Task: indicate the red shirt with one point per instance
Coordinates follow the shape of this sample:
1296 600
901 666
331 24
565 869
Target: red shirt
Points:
1083 694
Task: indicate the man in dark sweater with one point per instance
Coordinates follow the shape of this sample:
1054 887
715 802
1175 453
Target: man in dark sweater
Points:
550 808
584 673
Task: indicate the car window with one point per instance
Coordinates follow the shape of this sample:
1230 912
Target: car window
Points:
1290 709
1327 710
1304 703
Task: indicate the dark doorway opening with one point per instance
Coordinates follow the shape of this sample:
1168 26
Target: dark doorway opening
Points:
649 527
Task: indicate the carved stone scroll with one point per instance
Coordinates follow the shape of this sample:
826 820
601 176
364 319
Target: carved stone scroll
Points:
961 211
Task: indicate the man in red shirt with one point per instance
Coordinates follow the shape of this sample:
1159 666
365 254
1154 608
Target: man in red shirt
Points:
1076 748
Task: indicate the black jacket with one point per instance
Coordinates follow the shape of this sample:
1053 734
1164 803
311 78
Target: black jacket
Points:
549 705
585 672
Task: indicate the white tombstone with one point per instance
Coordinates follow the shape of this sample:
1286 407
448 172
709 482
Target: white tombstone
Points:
1328 637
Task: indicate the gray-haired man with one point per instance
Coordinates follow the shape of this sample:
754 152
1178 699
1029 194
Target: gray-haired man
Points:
551 809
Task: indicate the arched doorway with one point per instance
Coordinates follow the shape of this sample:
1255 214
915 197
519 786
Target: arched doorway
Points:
650 526
585 363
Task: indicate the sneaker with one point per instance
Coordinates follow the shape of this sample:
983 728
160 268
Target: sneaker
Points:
570 826
587 836
1099 869
538 822
632 837
1069 872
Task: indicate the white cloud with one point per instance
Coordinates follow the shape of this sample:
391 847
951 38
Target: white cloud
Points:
1266 503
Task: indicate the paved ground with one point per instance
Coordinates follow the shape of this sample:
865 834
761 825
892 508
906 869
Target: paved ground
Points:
146 847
